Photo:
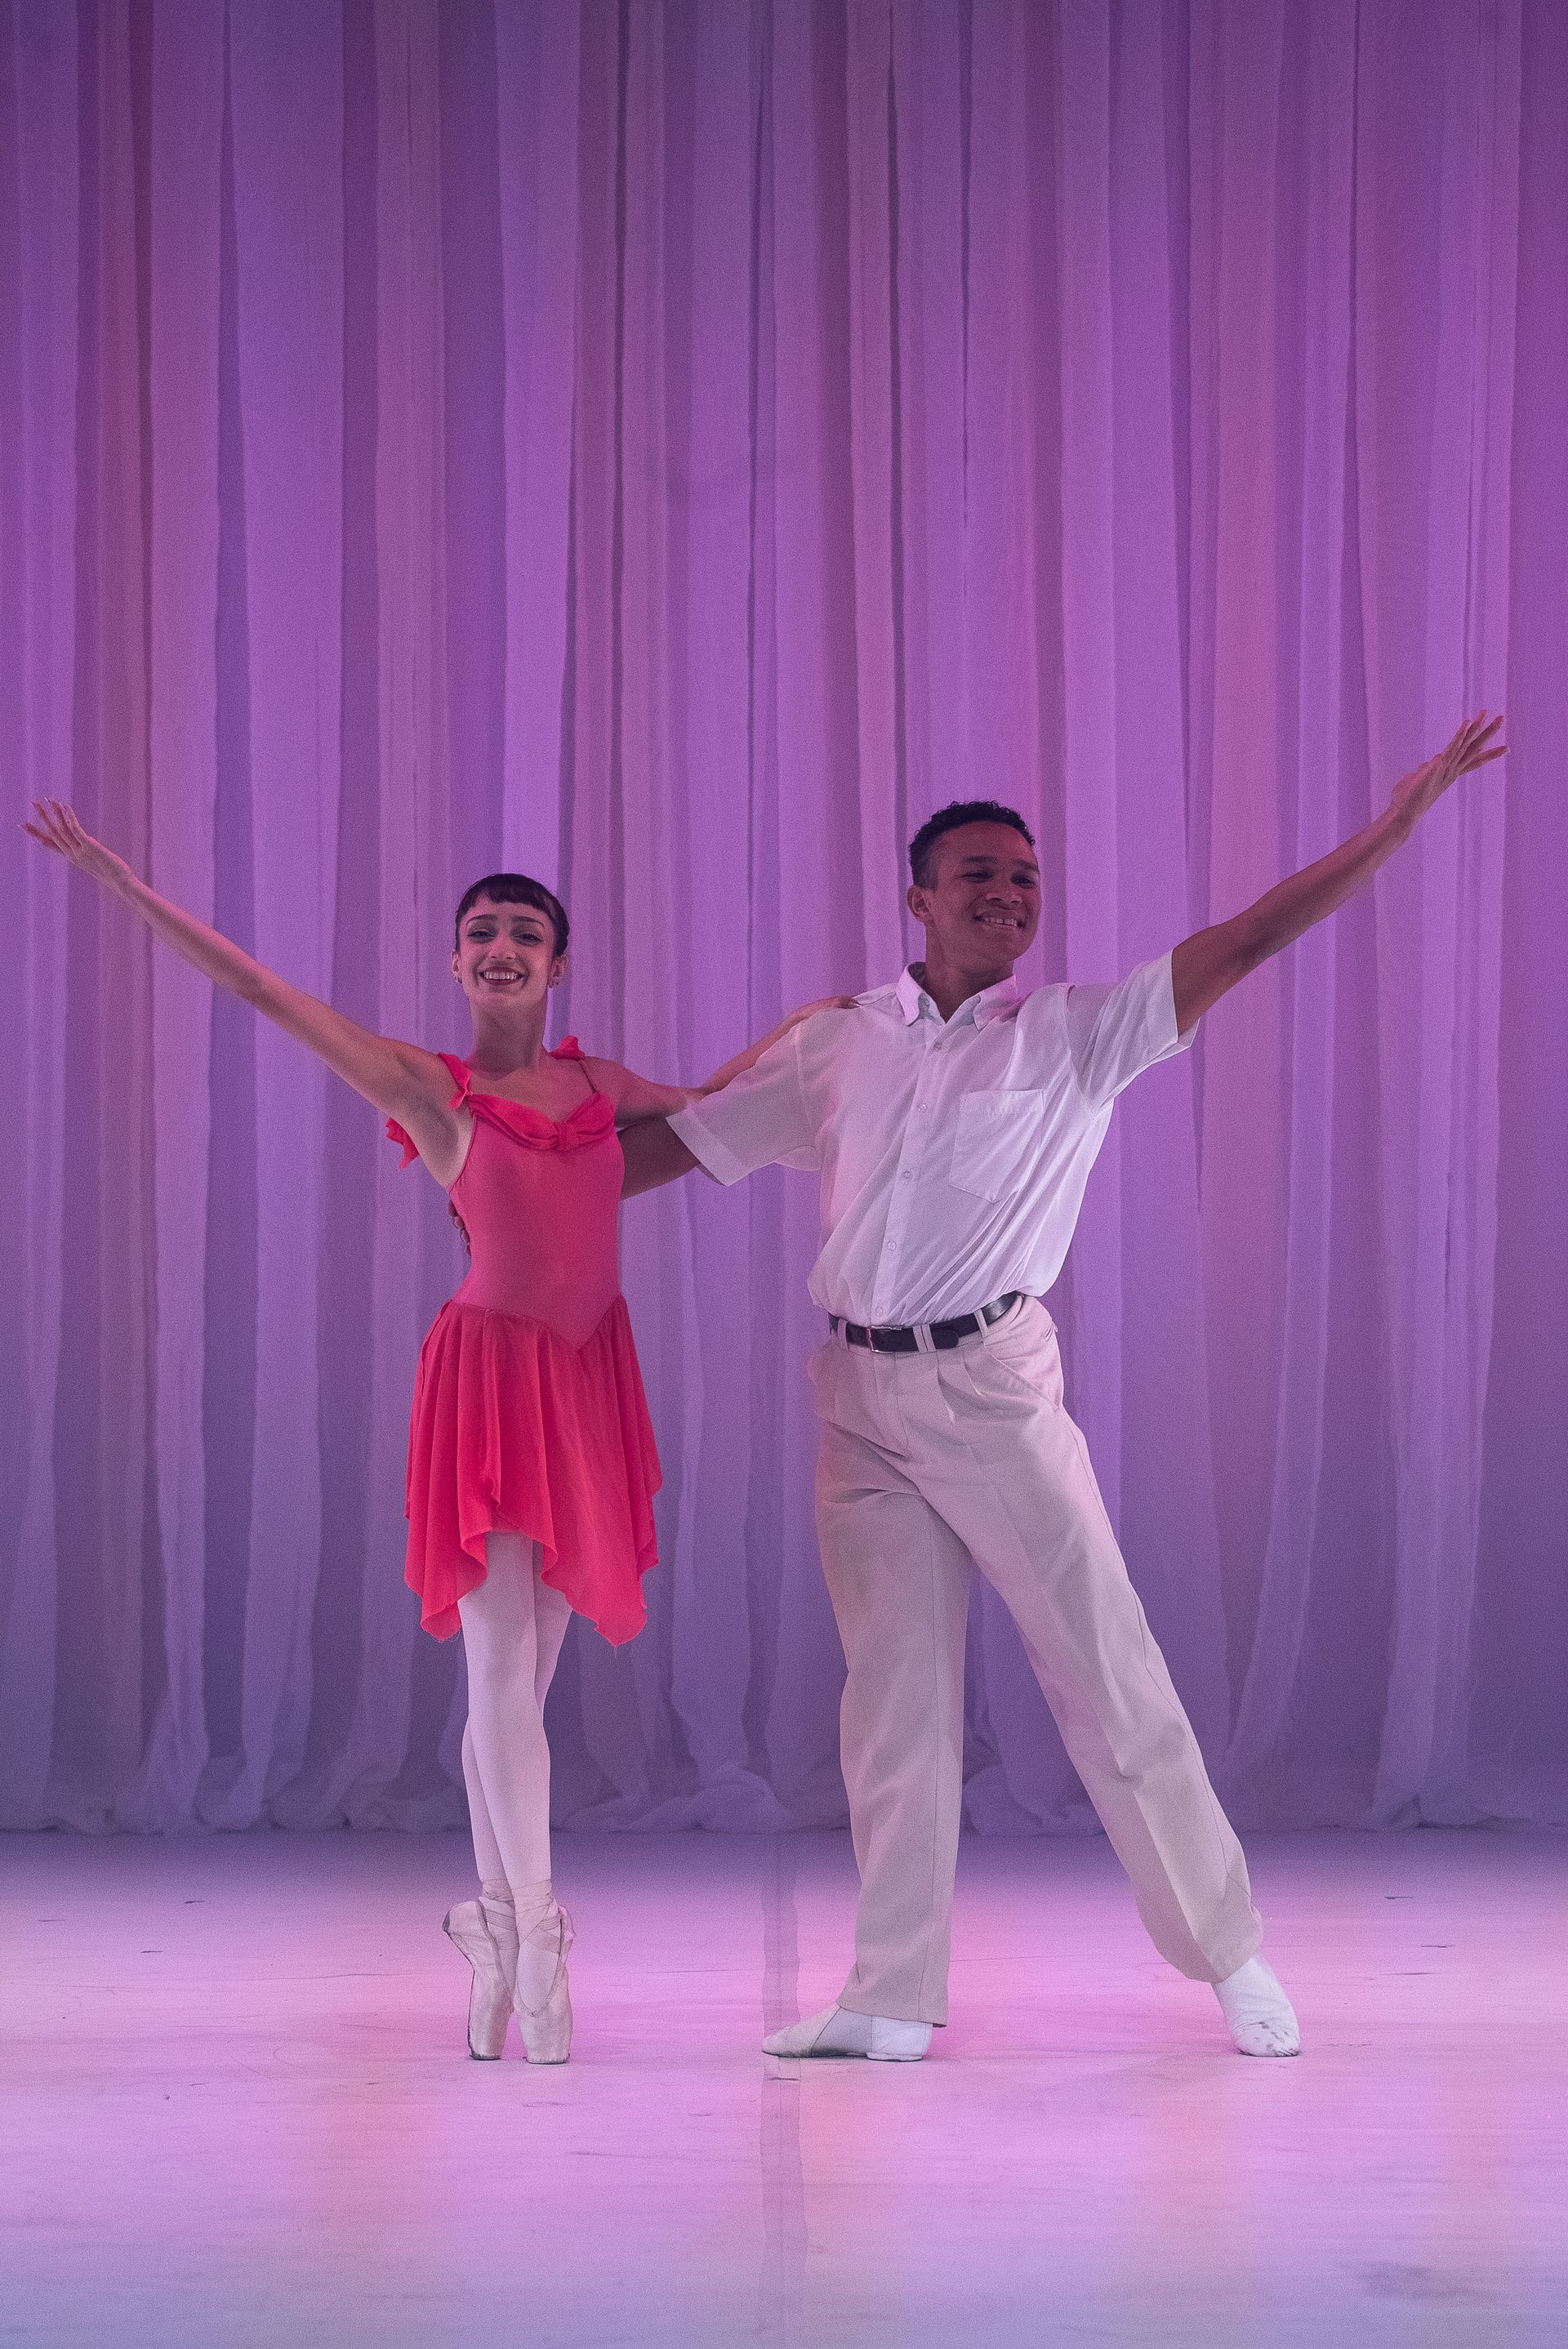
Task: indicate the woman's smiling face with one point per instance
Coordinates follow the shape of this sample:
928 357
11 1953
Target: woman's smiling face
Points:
506 955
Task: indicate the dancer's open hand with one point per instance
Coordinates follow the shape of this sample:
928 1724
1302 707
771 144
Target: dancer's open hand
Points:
1471 747
59 828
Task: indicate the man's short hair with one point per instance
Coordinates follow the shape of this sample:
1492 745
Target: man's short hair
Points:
948 819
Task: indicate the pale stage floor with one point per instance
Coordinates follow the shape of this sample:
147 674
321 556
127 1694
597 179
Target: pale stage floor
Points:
236 2106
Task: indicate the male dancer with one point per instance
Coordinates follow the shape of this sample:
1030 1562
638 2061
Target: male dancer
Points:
955 1122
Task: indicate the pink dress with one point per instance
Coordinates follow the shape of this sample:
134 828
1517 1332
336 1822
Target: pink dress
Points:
528 1414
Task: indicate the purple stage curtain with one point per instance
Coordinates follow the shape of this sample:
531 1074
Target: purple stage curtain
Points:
670 447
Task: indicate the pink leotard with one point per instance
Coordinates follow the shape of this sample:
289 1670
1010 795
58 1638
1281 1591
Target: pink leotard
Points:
528 1412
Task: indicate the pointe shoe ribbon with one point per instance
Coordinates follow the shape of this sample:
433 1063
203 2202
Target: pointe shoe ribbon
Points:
545 2021
486 1933
1262 2019
840 2030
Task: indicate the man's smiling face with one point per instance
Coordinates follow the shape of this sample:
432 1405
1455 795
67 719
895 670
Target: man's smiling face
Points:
981 902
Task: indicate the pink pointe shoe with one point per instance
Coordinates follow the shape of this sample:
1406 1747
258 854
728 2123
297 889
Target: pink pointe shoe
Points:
541 1999
486 1933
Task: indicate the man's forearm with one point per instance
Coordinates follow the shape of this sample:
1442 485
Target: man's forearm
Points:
654 1155
1207 964
1318 890
1203 967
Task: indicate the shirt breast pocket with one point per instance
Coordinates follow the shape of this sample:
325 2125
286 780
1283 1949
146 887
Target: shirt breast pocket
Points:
997 1141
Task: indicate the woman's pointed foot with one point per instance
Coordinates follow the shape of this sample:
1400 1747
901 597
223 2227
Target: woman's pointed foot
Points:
541 1996
486 1933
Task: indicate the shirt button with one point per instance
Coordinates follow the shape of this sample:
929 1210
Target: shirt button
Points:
906 1176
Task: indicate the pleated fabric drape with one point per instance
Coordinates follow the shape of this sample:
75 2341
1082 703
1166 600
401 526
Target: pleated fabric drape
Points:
670 447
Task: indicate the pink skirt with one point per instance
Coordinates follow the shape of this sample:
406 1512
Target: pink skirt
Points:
514 1430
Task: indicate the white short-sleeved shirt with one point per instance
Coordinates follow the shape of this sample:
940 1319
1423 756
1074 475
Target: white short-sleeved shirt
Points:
953 1154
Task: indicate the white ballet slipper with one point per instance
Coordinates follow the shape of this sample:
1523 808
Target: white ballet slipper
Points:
840 2030
486 1933
1262 2019
541 1998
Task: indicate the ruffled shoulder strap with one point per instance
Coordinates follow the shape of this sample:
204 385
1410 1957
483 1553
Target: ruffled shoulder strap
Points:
400 1134
405 1140
569 1048
462 1074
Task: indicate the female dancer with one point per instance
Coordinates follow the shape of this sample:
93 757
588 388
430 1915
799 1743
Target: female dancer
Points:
531 1467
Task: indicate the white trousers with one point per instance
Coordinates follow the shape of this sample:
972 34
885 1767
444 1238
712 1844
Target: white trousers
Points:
930 1465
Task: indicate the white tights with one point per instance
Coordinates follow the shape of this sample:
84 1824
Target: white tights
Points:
514 1625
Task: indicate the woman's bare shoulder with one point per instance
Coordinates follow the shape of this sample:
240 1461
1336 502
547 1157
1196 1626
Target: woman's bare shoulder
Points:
609 1077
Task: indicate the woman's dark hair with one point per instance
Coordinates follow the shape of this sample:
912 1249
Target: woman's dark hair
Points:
515 889
949 819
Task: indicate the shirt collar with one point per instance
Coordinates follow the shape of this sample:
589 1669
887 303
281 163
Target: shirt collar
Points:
992 1003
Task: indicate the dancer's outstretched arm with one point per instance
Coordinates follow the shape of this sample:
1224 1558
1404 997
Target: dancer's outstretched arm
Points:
402 1080
639 1099
654 1154
1209 964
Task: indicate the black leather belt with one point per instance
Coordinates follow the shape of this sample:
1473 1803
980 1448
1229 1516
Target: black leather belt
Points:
942 1334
